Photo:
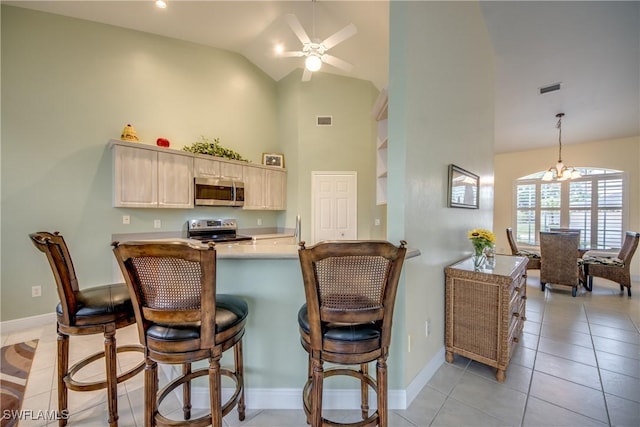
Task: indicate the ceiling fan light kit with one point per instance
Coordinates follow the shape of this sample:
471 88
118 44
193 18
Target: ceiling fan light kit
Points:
314 51
313 63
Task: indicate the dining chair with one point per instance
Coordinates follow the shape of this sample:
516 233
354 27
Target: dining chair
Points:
532 256
181 319
615 268
95 310
350 289
559 262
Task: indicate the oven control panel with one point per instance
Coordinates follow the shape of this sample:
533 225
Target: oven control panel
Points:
212 224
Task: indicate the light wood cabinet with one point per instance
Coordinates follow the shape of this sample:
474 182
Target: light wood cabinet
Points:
146 177
485 311
208 168
175 181
264 188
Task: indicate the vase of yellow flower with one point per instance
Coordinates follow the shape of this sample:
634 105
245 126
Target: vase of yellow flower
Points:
480 239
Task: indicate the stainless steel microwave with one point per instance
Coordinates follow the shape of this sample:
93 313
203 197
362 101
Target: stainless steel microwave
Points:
218 192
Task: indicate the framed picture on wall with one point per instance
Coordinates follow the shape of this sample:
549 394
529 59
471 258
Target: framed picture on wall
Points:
273 159
464 188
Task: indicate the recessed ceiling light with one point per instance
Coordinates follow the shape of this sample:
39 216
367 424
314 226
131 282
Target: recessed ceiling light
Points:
278 48
161 4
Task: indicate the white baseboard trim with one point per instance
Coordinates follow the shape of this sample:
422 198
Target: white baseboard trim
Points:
423 377
291 398
25 323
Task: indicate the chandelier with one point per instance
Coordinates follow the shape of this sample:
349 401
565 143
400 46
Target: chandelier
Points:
560 171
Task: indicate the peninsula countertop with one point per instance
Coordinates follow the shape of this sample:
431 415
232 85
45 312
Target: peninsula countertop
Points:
240 250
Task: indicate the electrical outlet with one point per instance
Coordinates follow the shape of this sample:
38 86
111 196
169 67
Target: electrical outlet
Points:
126 219
259 221
157 223
36 291
427 328
376 221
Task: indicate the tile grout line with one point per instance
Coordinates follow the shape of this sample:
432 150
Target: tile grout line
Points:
595 354
535 357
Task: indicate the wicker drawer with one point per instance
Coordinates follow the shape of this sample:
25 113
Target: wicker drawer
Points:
485 311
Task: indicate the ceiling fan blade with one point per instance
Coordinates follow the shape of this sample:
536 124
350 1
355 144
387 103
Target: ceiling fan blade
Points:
296 26
340 36
290 54
306 75
336 62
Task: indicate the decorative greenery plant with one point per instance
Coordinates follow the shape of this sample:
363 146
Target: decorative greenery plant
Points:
213 148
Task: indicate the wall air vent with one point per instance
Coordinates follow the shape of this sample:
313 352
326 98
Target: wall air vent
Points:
324 120
551 88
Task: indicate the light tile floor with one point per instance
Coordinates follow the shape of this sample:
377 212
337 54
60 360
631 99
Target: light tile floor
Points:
578 364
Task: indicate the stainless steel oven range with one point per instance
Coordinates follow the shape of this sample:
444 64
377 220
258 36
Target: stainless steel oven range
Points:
214 230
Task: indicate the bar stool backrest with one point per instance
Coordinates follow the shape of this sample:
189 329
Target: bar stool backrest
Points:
351 282
55 248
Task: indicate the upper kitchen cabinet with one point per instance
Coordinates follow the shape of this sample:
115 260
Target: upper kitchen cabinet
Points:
145 176
265 188
208 168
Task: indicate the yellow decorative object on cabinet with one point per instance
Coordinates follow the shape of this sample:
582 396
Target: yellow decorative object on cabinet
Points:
129 134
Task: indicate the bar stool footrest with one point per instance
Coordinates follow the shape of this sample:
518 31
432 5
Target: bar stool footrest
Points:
162 421
76 385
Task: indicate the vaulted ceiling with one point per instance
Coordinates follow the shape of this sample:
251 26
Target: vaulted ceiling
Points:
592 48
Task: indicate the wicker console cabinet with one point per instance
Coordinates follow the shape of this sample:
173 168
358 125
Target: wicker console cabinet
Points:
485 310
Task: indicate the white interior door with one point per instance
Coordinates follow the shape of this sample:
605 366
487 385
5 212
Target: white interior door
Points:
334 198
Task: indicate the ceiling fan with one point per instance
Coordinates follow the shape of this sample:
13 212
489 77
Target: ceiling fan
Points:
315 51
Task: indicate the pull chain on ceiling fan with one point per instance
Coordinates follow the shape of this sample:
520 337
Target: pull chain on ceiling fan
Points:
314 51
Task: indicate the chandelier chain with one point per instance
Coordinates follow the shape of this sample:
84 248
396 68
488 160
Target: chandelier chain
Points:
559 126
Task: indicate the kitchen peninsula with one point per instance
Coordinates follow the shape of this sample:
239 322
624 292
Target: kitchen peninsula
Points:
268 277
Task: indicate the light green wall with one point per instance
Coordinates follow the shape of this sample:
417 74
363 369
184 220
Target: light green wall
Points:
621 154
347 145
68 86
441 107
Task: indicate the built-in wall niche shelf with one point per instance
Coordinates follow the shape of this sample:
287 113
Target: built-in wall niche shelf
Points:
380 112
380 106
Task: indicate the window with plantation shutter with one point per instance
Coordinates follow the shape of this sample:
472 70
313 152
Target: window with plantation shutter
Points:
610 205
526 208
593 203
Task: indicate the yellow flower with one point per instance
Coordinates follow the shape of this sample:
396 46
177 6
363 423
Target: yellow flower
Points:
481 238
482 235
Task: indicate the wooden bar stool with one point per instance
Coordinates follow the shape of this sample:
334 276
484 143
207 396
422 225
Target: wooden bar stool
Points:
97 310
182 320
350 289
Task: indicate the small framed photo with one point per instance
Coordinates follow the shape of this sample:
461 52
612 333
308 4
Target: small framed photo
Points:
273 159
